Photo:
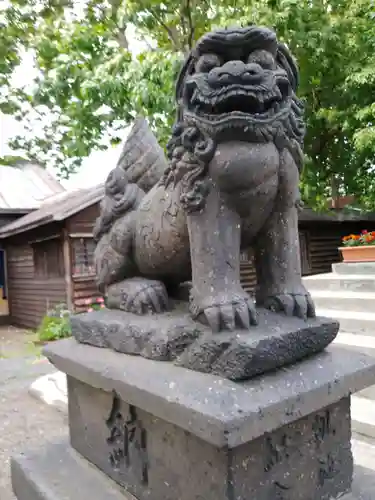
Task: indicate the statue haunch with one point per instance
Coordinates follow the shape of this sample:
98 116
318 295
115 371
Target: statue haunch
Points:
231 182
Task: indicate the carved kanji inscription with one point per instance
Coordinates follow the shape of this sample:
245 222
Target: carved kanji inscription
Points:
127 440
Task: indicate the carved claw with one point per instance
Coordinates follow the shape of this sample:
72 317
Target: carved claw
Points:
138 296
225 314
292 304
152 299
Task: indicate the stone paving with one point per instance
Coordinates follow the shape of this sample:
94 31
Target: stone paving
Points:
24 421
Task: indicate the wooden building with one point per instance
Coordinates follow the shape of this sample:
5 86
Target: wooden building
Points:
320 237
50 252
23 187
49 256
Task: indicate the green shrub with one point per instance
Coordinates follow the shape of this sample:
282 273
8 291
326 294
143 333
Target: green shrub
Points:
55 325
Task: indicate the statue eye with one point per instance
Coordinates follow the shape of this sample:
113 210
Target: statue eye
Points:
263 58
207 62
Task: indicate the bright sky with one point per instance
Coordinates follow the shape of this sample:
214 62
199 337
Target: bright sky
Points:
97 166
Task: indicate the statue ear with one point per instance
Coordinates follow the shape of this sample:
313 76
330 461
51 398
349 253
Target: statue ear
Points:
187 69
286 61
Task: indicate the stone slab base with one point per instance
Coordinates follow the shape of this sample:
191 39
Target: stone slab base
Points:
219 411
152 426
304 460
56 472
275 342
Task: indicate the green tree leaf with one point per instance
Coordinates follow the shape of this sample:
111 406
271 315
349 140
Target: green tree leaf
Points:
89 85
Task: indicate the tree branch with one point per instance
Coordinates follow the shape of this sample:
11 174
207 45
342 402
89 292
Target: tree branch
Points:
191 26
122 40
121 28
146 42
172 35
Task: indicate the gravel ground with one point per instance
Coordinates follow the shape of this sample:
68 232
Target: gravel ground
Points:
24 421
17 342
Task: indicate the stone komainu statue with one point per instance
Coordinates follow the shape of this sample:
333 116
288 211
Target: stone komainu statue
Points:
230 182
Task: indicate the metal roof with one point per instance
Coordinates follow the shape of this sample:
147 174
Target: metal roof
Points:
24 186
57 208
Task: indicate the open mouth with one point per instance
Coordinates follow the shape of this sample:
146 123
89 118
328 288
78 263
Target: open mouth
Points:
255 102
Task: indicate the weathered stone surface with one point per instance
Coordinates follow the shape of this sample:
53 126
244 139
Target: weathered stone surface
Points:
277 341
307 459
217 410
231 181
57 473
161 336
285 435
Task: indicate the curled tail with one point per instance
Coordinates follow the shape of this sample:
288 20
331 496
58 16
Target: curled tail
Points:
141 165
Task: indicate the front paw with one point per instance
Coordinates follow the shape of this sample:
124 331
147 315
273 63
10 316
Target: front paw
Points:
224 311
138 296
298 304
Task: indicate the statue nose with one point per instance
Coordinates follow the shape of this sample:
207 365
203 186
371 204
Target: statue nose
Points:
236 72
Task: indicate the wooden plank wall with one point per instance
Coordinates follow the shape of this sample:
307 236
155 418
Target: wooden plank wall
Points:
247 271
320 251
84 288
324 241
84 221
30 297
323 249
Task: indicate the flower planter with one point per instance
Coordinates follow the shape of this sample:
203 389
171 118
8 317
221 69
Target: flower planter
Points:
364 253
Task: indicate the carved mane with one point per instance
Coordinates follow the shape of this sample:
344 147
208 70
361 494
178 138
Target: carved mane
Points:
187 164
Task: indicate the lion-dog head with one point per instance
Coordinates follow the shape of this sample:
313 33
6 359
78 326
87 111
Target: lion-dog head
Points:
237 83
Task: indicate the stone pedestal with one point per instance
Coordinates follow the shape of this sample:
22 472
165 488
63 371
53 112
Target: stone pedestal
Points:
162 432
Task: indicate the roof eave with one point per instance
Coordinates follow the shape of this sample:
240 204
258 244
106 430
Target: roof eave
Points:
28 227
58 217
16 211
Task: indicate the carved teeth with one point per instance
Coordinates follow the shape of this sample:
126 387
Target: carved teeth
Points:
194 98
259 102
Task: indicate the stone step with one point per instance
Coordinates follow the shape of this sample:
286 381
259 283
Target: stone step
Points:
56 472
351 321
363 416
340 282
364 344
356 341
363 487
362 268
344 300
